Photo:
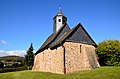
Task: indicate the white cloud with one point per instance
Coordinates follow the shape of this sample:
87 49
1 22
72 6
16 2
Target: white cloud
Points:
3 42
12 52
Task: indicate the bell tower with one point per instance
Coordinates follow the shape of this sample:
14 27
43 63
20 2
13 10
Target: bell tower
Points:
59 20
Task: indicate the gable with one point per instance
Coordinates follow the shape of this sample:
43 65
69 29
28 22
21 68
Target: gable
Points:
79 34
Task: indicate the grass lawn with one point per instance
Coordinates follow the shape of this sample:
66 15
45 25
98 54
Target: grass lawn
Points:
106 72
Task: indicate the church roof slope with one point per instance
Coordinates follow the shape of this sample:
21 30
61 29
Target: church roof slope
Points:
53 38
77 34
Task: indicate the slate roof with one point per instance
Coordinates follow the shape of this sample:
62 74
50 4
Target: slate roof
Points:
77 34
54 37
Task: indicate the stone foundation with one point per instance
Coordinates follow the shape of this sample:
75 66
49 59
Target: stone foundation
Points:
77 57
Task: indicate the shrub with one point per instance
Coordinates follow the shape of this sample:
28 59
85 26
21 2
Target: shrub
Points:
7 70
108 52
13 69
1 64
21 68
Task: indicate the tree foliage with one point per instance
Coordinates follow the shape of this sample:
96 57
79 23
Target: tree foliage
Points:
1 64
108 52
29 57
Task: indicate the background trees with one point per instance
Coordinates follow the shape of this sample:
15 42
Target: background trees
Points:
29 57
1 64
108 52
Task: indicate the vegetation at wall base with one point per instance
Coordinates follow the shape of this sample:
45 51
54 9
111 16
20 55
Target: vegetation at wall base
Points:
2 70
105 72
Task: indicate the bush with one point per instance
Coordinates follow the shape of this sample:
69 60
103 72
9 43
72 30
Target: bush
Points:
108 52
13 69
21 68
1 64
7 70
15 65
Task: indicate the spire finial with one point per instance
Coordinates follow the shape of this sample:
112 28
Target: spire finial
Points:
60 10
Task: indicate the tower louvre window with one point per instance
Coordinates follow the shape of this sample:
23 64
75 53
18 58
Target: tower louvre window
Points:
63 21
59 20
55 21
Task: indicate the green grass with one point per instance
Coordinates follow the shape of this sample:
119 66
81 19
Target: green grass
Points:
106 72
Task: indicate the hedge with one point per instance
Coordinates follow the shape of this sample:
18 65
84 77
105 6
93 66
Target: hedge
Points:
13 69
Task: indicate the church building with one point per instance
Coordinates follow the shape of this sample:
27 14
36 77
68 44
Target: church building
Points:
66 50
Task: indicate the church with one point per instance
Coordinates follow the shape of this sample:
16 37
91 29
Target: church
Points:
66 50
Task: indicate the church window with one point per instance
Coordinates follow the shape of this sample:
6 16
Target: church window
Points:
55 21
59 20
80 48
63 21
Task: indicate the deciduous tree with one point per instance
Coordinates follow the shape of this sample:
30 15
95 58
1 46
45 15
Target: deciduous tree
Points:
109 52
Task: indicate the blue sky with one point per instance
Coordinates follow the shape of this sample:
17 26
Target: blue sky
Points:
31 21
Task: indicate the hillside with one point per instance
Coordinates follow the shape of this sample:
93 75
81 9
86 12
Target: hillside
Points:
13 58
10 60
108 72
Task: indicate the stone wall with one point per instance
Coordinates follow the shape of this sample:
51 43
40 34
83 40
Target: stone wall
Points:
49 61
77 57
91 54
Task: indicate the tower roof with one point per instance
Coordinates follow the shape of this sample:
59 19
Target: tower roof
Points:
60 12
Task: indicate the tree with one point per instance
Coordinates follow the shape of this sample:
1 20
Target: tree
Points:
29 57
108 52
1 64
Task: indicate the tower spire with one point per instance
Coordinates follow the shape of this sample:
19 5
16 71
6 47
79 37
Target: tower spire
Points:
60 9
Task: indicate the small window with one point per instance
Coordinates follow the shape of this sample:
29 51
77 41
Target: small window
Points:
80 48
59 20
55 21
63 21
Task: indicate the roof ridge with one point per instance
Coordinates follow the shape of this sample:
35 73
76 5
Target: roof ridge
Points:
65 36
